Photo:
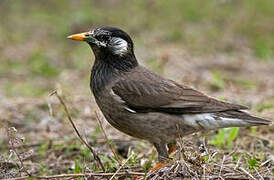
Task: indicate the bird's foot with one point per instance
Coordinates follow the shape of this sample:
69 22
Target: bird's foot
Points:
171 149
158 166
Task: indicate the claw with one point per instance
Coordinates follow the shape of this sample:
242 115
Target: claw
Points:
158 166
172 149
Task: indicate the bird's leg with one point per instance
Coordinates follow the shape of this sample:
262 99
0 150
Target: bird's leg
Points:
162 156
162 151
171 147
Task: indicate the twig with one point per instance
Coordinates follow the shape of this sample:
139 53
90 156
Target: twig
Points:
245 171
96 157
259 137
264 163
204 171
108 141
26 145
120 167
11 139
222 166
212 156
258 173
80 175
238 162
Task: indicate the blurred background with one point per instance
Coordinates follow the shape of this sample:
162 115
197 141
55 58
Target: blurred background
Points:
35 52
223 47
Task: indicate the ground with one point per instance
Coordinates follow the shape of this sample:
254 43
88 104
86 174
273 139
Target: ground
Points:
51 146
219 56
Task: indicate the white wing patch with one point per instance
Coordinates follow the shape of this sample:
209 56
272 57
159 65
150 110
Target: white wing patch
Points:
209 121
119 99
119 46
116 97
130 110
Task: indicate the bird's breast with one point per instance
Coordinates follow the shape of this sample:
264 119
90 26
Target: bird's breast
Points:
153 126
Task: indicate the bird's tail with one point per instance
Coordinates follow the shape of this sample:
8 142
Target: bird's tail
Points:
244 118
207 121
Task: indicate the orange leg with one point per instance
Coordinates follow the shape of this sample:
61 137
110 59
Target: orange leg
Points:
163 159
171 149
158 166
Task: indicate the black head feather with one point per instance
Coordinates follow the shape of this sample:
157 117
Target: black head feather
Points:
113 32
114 54
111 41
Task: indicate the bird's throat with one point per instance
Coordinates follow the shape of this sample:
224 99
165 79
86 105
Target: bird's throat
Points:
105 70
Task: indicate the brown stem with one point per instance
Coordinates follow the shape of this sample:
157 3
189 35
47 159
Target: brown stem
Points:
16 153
96 157
106 138
80 175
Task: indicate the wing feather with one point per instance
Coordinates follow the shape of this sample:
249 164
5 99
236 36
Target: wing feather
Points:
145 91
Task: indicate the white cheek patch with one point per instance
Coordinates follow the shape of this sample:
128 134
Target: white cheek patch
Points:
119 46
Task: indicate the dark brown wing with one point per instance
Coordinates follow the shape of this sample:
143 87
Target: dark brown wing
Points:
145 91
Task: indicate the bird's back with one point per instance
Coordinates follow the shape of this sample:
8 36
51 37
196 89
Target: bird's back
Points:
144 91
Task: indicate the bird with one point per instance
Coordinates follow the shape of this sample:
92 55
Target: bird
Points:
142 104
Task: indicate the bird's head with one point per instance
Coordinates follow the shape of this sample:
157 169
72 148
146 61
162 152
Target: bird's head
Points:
107 41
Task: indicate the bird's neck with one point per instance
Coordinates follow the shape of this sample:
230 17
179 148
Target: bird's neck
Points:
107 69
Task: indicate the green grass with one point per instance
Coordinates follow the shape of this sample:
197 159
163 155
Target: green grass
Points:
39 64
33 39
24 89
35 56
253 163
250 20
262 107
225 137
217 81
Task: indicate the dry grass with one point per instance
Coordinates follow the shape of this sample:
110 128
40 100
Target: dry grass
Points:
51 149
178 41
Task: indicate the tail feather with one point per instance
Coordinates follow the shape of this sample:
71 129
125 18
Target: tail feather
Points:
249 119
207 121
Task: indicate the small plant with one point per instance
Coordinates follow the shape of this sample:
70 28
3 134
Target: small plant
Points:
77 167
219 139
232 135
132 160
253 130
253 163
109 164
225 137
43 148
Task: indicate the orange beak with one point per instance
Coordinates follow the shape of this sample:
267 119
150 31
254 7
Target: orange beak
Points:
79 37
